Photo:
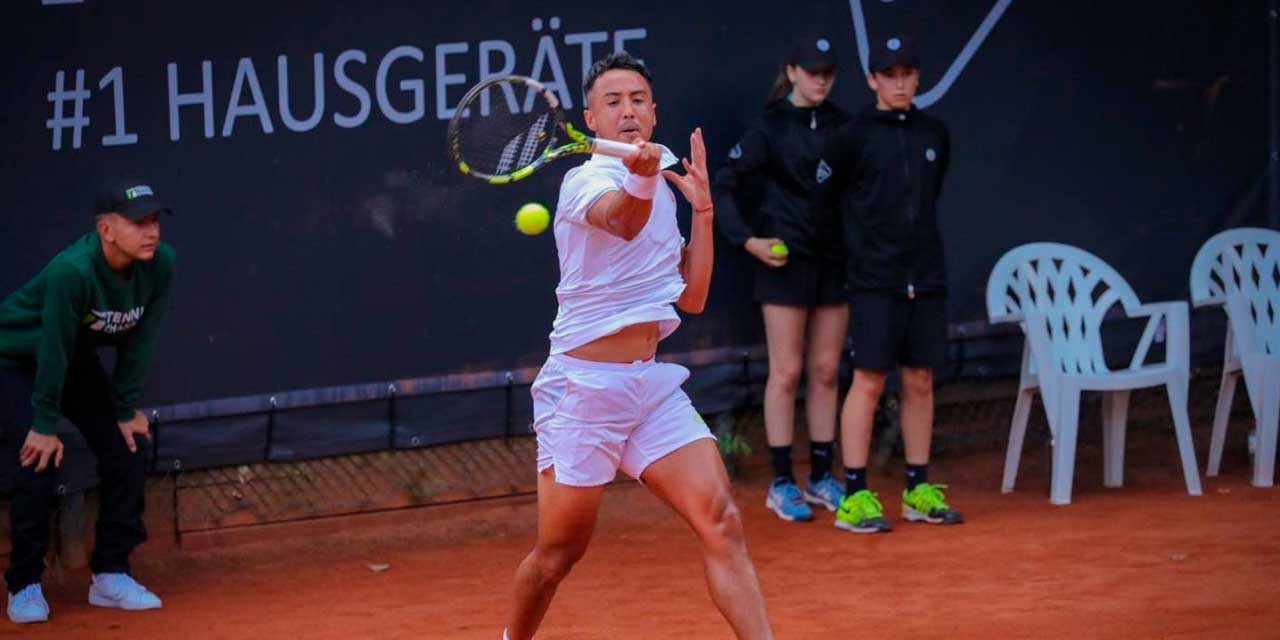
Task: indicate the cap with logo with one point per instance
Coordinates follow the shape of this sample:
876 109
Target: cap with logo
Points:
893 52
815 55
130 198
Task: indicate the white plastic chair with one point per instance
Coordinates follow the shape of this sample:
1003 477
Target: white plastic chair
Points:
1060 295
1240 270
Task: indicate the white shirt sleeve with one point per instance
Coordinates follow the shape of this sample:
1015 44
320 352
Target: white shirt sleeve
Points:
580 192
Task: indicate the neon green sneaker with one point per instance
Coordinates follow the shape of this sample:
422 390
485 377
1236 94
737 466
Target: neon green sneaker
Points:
862 513
927 503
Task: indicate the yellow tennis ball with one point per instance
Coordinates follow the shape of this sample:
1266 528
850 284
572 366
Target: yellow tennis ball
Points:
779 249
532 219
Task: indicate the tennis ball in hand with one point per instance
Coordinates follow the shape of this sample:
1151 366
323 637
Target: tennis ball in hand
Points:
780 250
532 219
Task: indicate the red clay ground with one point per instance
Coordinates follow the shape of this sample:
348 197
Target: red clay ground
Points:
1145 561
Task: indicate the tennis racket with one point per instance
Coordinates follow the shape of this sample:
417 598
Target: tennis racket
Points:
508 127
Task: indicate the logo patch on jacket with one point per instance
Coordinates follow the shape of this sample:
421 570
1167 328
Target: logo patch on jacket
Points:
824 171
111 322
735 152
930 154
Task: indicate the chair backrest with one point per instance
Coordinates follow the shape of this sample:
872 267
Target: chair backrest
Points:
1240 268
1068 290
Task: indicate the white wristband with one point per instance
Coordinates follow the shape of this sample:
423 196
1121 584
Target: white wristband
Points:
642 187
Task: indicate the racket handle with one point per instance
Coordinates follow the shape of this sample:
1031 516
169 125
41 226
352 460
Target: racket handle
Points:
612 148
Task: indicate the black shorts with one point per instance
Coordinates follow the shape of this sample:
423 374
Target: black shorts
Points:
890 330
803 282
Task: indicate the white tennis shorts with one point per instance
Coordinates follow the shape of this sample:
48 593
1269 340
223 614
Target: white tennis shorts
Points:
593 418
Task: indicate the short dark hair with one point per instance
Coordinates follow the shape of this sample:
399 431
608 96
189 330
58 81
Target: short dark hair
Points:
620 60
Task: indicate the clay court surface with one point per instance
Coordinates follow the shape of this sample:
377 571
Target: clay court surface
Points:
1145 561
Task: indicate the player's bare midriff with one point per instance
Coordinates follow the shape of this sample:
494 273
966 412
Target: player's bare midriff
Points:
632 343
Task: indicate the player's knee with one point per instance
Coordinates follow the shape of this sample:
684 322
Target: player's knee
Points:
823 374
27 479
552 570
723 526
917 383
785 375
869 383
124 467
555 563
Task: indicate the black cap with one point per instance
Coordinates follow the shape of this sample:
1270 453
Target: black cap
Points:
815 55
892 52
130 198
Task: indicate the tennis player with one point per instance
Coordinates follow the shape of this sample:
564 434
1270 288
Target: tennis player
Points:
601 402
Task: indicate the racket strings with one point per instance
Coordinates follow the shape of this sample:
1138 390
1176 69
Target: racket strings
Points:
503 142
527 143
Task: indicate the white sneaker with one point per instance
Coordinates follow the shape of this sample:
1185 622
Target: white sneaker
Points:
28 605
121 591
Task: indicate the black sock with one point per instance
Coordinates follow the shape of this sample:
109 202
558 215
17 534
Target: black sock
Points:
916 474
819 460
855 480
781 463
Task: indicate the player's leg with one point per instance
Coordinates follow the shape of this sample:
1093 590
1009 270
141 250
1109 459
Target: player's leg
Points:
917 414
566 519
784 335
827 325
925 351
675 455
876 336
692 480
581 436
29 506
87 404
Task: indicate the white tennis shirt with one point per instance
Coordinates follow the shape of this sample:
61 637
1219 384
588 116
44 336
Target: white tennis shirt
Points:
607 283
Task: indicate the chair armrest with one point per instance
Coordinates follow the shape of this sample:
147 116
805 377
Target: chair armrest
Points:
1176 316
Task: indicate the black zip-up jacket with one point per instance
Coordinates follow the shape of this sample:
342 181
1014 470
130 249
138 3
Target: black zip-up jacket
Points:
885 173
778 154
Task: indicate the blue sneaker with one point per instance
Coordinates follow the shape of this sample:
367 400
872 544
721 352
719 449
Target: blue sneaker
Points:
826 492
784 499
28 605
121 591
